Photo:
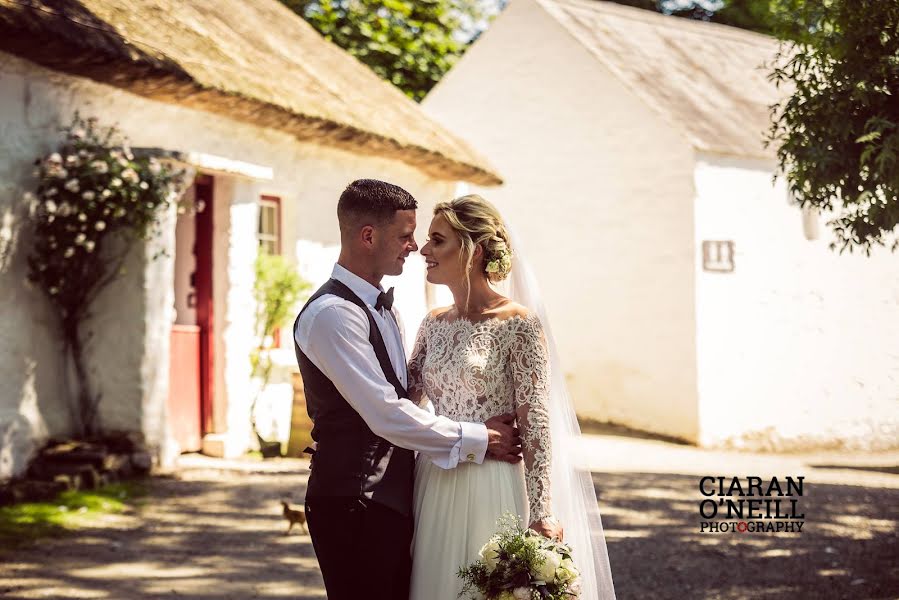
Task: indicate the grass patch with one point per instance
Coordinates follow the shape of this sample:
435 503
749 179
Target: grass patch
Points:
29 521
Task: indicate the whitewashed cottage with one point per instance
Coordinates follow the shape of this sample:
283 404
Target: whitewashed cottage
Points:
274 120
689 297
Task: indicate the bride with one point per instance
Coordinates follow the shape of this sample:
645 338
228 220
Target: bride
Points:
489 354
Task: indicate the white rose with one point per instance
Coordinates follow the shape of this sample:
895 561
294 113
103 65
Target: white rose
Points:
575 587
566 571
53 291
50 206
116 182
79 133
546 571
55 158
72 185
80 238
99 225
50 192
105 193
69 252
534 541
82 217
89 195
100 166
144 185
154 166
489 553
89 246
522 593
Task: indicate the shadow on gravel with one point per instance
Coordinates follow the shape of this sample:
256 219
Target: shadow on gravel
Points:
847 548
892 470
221 537
194 540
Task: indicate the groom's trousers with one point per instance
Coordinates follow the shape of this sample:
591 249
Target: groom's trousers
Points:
363 548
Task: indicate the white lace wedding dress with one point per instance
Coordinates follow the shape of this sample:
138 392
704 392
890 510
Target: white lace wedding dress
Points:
471 371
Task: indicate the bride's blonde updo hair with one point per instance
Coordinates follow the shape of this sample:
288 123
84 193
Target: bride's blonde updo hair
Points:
478 223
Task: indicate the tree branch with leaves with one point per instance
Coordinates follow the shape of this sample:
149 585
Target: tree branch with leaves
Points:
410 43
837 134
94 201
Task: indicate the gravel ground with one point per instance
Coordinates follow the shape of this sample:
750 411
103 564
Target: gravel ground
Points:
213 530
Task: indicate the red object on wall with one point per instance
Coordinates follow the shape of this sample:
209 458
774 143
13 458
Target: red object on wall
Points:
191 355
203 286
184 387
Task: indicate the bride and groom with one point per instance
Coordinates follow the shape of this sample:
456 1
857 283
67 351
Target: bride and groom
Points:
384 522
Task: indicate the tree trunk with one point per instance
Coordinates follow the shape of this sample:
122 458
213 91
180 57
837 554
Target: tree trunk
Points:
85 401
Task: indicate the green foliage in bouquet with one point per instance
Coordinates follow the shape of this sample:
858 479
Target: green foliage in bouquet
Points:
520 564
94 200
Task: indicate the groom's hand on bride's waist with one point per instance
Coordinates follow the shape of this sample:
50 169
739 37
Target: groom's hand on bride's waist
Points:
503 441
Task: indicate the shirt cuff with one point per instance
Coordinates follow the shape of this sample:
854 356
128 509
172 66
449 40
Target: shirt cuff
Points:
473 445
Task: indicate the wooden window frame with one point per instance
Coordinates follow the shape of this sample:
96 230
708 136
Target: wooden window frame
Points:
267 200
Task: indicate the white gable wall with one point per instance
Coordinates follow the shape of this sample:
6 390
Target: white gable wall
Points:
600 188
799 346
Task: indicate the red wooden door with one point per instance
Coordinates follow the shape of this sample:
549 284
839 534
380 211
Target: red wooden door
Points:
190 370
184 387
204 254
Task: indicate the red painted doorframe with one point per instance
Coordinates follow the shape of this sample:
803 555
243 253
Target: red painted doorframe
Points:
203 287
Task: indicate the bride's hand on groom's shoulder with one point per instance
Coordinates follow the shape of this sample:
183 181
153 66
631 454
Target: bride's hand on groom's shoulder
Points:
550 528
503 441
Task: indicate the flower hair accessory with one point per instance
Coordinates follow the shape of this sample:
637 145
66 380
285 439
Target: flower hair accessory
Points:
501 265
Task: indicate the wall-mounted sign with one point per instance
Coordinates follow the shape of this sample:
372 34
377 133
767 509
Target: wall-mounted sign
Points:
718 256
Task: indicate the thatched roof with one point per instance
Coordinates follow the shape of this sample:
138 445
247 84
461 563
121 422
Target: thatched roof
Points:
254 61
705 79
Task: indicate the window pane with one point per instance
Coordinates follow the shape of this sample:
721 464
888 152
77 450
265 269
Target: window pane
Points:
268 226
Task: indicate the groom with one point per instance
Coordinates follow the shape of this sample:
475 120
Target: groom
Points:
350 353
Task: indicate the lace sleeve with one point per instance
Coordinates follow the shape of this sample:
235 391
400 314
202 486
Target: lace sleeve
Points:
417 363
529 362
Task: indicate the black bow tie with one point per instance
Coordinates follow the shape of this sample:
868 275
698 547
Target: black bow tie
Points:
385 300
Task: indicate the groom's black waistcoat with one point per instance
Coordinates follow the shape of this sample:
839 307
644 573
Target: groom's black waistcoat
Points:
350 460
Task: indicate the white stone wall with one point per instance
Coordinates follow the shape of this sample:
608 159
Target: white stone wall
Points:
600 189
130 351
799 346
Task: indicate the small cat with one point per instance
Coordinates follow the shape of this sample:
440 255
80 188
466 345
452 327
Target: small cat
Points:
294 516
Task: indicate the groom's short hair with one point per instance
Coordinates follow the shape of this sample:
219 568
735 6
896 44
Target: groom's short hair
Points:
371 202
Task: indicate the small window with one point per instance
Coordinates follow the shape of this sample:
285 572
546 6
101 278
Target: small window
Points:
269 230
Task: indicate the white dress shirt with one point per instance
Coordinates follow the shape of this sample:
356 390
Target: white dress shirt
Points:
333 334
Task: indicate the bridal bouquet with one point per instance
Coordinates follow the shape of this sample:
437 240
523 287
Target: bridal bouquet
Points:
521 564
